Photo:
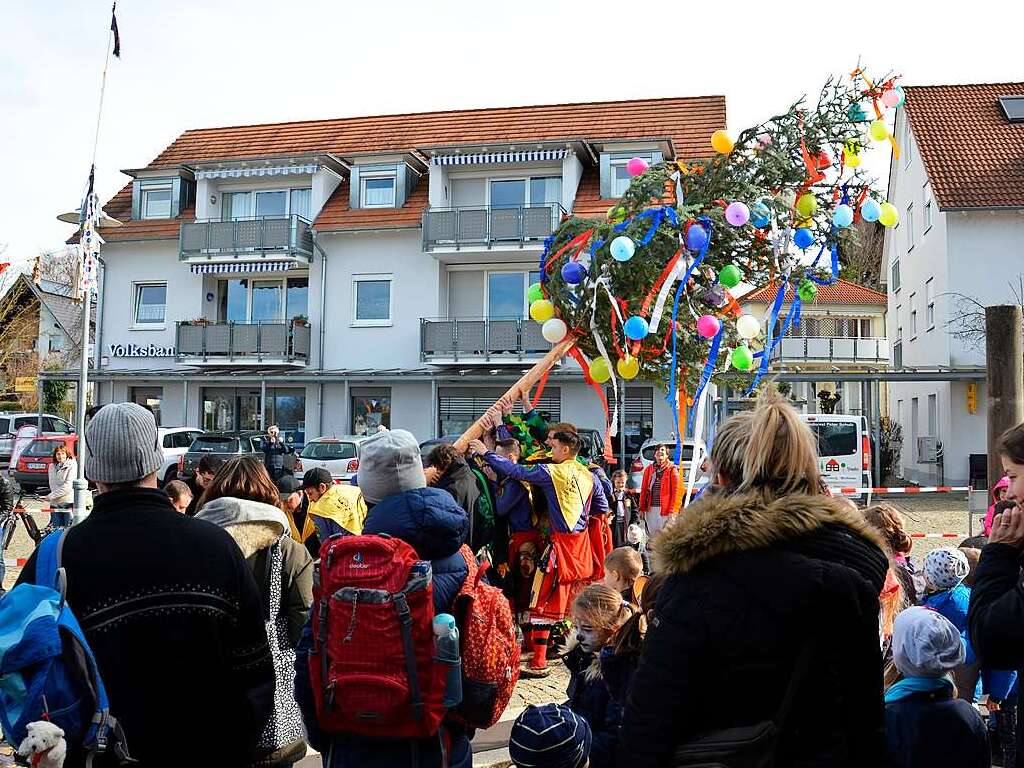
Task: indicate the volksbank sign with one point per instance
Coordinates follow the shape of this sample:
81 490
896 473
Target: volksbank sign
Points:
140 350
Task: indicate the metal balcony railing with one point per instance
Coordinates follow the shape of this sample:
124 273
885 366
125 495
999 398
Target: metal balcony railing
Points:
485 226
242 238
280 341
832 350
469 339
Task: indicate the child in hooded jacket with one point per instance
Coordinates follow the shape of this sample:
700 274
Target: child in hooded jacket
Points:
998 494
599 613
945 569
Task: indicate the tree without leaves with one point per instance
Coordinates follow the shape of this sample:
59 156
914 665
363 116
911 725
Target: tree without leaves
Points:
966 321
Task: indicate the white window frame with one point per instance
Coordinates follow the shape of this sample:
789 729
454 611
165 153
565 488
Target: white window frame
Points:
364 177
910 227
647 155
929 301
143 204
908 142
913 317
251 213
248 293
894 275
372 278
137 295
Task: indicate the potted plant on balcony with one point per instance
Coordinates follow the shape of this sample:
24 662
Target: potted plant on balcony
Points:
300 320
198 321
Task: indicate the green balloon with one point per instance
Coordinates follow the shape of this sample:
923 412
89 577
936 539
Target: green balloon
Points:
535 293
742 358
807 291
730 276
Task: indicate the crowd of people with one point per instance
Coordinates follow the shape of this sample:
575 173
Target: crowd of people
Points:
238 615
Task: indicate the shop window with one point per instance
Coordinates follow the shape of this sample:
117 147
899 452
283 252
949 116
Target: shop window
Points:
371 409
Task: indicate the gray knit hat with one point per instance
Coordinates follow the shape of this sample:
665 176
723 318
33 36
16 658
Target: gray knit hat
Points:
925 643
123 444
389 463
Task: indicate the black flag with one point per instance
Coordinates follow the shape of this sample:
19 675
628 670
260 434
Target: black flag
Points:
113 28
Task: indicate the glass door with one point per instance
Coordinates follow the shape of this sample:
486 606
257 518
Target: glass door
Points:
247 407
505 295
508 193
267 301
272 204
236 205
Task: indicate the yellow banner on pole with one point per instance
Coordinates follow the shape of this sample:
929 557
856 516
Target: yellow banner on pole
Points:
24 383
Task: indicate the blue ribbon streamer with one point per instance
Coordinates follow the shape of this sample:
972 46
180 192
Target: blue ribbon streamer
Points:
705 377
548 242
656 216
762 369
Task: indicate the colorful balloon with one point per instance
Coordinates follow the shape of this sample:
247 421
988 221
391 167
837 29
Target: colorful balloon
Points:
879 130
803 238
889 216
599 370
722 142
747 326
622 248
713 295
842 216
553 330
542 310
891 98
636 166
870 210
737 213
696 237
730 276
807 291
616 214
760 215
807 204
851 155
573 272
902 95
628 367
764 140
636 328
708 326
741 359
535 292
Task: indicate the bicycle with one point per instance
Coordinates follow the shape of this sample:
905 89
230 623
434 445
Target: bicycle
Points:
9 522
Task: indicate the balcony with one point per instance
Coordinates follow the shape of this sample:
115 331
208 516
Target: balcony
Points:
481 226
480 340
267 237
243 344
820 349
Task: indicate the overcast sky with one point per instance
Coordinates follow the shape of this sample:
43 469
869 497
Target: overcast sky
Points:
201 63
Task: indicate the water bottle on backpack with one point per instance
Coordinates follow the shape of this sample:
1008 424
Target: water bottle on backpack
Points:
446 651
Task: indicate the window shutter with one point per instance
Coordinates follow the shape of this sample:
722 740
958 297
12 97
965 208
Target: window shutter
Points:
606 176
353 188
136 199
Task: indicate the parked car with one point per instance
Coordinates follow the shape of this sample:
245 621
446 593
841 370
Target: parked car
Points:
174 443
646 457
31 470
227 445
338 455
10 423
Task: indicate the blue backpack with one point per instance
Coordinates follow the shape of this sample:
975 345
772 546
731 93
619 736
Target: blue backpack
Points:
47 669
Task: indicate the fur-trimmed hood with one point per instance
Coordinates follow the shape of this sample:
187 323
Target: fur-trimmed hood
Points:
721 524
253 525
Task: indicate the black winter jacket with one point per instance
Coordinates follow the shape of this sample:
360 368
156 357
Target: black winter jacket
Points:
932 729
460 482
749 583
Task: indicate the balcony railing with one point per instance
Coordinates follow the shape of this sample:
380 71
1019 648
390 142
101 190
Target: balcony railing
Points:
484 226
812 349
262 342
244 238
480 340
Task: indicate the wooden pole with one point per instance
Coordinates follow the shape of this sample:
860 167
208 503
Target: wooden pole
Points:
525 384
1004 361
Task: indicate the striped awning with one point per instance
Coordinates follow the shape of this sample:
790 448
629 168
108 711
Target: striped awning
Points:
265 170
500 157
242 266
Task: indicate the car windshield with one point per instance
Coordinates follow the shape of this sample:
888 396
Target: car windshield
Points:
835 438
648 452
208 444
38 448
328 451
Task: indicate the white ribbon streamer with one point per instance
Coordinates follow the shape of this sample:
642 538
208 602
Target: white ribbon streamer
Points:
666 289
698 442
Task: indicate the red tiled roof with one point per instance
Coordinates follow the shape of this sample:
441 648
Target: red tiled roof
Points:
840 292
687 121
974 155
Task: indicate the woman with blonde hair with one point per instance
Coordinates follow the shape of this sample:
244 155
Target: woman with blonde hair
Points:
768 614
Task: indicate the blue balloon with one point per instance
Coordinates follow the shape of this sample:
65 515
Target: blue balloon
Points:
870 210
622 248
842 216
696 237
803 238
636 328
760 215
573 273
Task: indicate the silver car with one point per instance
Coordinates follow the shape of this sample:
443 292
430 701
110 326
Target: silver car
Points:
646 457
338 455
10 423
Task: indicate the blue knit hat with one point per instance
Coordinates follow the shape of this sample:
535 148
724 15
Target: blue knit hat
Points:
551 736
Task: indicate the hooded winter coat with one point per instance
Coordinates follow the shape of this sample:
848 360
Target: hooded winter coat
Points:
283 570
432 523
1003 482
460 482
598 684
749 582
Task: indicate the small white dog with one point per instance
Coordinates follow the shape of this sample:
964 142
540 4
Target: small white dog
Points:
44 744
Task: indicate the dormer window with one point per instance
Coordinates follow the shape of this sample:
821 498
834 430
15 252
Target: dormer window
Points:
615 178
378 191
156 202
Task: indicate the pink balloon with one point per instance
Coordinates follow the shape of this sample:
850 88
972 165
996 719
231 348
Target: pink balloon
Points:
891 98
708 325
636 166
737 214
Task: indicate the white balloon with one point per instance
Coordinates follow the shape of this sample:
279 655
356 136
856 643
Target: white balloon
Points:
747 326
554 330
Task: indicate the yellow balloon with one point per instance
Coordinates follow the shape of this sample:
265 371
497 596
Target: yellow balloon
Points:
879 130
889 216
722 142
807 205
628 367
542 310
852 161
599 370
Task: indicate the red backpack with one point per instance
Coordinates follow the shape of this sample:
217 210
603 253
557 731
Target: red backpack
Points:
490 651
372 665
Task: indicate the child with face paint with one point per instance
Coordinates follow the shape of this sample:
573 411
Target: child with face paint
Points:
598 613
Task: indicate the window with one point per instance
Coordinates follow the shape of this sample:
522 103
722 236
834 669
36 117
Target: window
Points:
149 398
913 315
156 203
57 426
508 193
908 143
56 342
242 300
1013 108
910 227
267 301
300 202
372 301
545 189
297 298
270 203
929 301
914 417
329 451
927 222
895 275
150 304
371 408
933 413
377 191
620 176
506 294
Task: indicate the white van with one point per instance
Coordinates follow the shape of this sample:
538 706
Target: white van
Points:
844 450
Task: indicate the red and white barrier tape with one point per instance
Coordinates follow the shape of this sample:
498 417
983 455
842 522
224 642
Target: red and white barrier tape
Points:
908 489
